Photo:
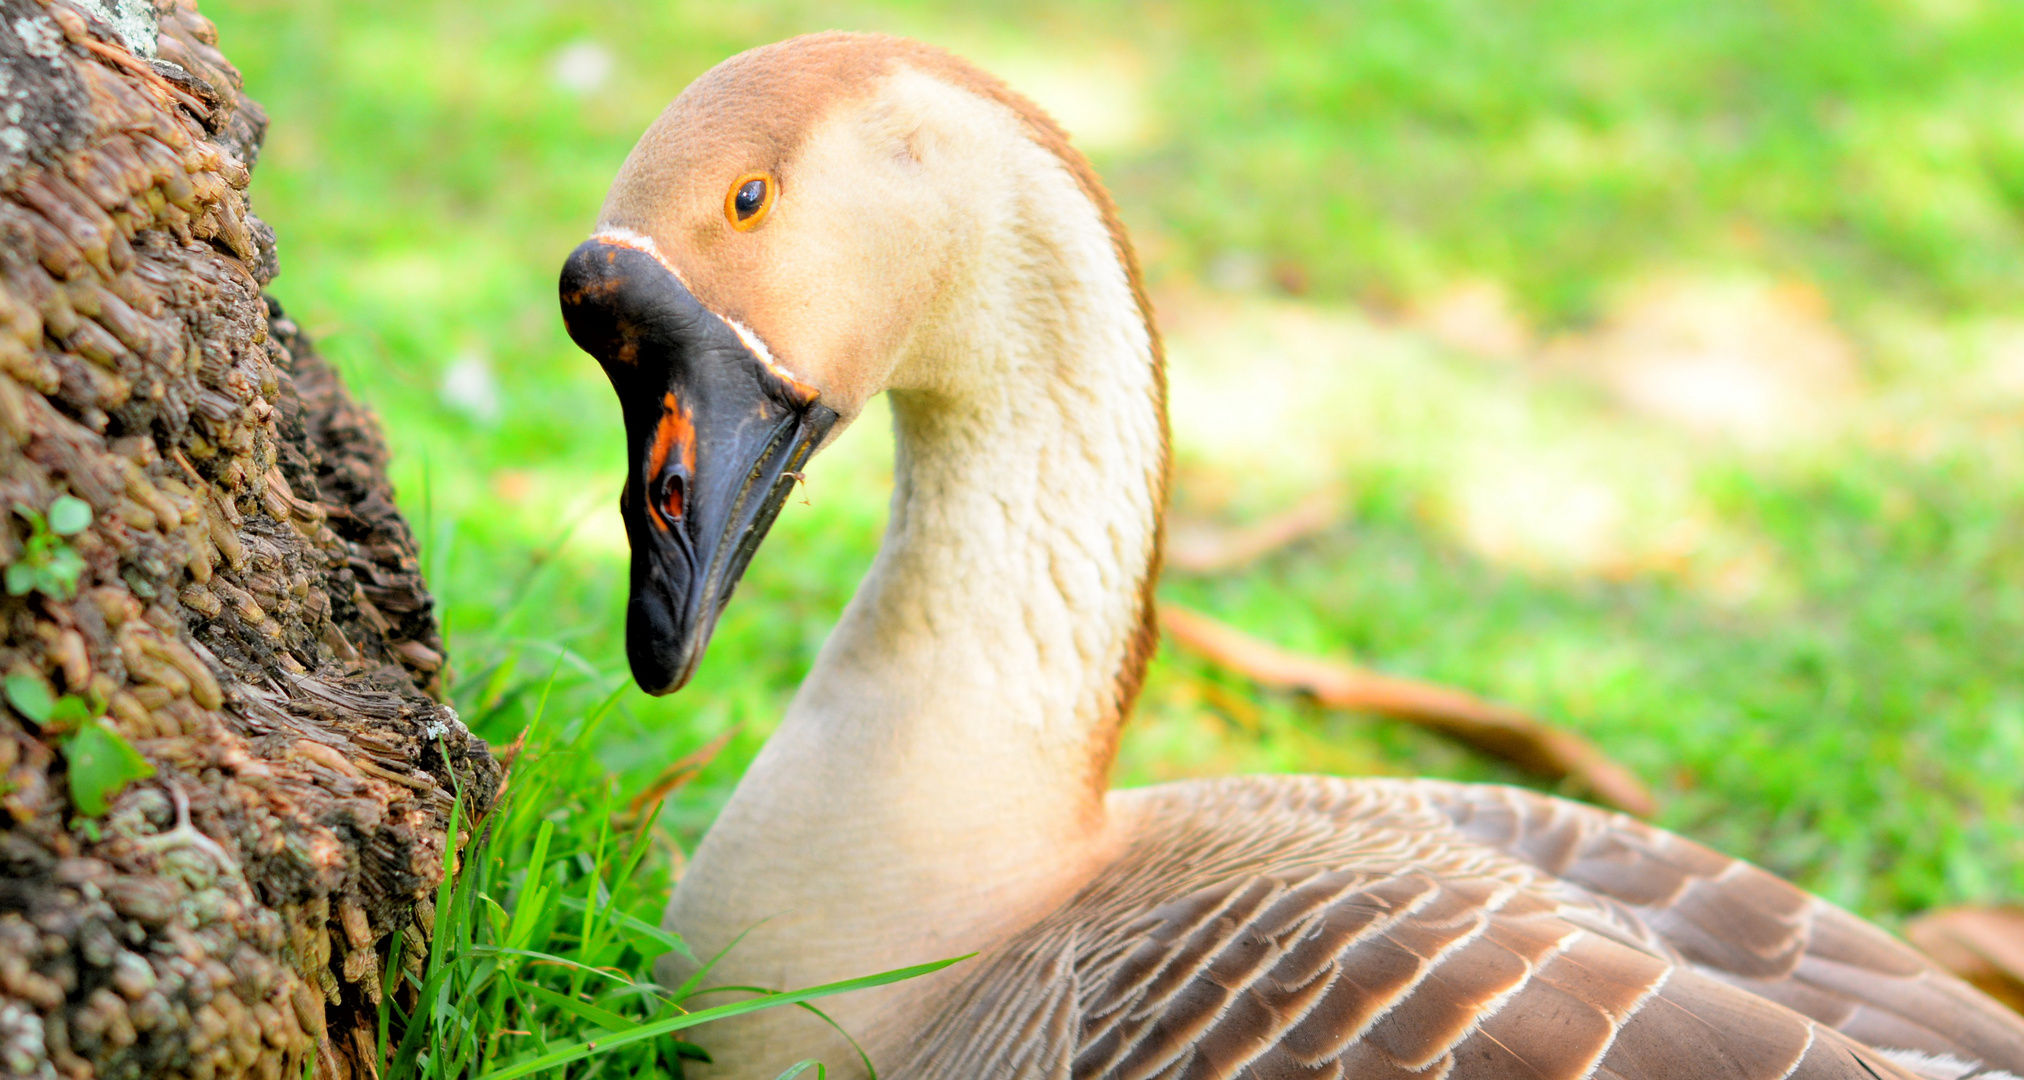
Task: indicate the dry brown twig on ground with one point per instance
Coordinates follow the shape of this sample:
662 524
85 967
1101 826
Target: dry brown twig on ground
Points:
1498 730
1200 548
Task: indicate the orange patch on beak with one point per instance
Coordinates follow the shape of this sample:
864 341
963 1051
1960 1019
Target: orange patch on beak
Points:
676 432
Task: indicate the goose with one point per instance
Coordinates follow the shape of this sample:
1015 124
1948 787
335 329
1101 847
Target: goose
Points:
824 219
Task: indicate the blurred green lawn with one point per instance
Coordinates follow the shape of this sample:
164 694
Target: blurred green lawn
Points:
1806 635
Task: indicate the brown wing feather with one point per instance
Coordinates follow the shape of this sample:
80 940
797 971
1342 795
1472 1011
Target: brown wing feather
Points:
1328 930
1745 926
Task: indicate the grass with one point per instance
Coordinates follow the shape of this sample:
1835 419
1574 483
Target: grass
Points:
1808 644
538 964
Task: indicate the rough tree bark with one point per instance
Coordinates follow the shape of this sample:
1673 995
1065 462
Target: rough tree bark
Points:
248 612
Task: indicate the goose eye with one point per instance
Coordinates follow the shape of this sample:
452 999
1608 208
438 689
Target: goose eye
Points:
748 200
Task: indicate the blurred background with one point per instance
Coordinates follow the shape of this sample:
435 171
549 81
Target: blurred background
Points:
1662 363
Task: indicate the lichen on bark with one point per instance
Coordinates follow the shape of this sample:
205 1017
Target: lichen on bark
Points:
250 615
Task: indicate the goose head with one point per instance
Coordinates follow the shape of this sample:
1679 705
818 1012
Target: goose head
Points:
773 253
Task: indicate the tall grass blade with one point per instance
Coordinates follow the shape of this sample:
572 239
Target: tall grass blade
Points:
625 920
578 1051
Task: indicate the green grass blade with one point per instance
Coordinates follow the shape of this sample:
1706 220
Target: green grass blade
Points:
604 1018
447 924
628 921
533 896
579 1051
389 982
476 951
593 883
870 1070
689 985
595 720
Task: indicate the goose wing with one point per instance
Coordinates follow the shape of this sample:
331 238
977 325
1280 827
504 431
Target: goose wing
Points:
1330 929
1744 926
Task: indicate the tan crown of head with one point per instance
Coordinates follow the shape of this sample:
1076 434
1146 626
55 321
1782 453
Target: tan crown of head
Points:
825 193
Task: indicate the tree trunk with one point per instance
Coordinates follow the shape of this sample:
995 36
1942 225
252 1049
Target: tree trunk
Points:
243 608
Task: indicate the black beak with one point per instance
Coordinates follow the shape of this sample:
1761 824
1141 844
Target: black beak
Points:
715 437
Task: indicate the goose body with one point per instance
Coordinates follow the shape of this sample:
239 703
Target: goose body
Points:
836 216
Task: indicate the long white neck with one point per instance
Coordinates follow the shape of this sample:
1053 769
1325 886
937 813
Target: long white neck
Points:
940 776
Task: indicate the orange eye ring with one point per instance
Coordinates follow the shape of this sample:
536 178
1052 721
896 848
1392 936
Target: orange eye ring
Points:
750 197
